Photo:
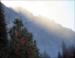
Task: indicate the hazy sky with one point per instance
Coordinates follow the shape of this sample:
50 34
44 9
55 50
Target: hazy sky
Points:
60 11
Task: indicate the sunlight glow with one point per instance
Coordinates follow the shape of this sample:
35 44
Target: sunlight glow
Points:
60 11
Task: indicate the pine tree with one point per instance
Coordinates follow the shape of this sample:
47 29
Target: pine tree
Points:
64 50
36 50
3 33
22 43
59 55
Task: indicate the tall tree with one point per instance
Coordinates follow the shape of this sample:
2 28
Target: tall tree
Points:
59 55
64 50
22 43
3 33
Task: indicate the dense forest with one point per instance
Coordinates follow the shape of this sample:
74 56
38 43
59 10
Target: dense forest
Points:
22 44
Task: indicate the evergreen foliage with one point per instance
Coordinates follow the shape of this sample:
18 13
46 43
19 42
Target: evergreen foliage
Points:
22 44
3 34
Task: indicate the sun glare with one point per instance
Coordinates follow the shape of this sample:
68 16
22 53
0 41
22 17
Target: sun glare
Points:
59 11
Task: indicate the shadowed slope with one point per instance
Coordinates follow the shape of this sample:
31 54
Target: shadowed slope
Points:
48 34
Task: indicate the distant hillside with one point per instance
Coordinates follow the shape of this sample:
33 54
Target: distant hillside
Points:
49 35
